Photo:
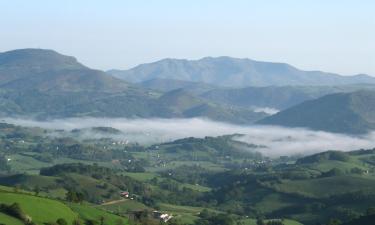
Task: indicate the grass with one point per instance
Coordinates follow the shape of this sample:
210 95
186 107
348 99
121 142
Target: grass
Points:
147 176
285 221
8 220
25 163
87 212
10 189
187 214
30 182
199 188
323 187
124 207
273 202
344 166
142 176
41 210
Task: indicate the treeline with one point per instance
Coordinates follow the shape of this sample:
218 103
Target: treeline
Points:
105 174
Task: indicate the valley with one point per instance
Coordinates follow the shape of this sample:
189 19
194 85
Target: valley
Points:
85 147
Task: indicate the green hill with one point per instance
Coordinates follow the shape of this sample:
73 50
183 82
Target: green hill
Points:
278 97
343 113
41 210
48 70
183 104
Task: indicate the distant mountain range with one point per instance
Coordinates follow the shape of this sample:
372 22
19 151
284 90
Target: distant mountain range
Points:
277 97
341 112
45 84
234 72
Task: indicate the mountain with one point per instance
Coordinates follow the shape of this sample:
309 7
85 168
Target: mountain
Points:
180 103
352 113
166 85
47 70
256 98
234 72
45 84
277 97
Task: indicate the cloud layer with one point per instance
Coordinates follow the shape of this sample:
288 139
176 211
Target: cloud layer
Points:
279 140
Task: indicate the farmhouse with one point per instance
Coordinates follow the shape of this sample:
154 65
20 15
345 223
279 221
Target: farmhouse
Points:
162 216
124 194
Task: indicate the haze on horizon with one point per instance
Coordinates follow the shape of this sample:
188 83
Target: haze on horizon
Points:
333 36
273 141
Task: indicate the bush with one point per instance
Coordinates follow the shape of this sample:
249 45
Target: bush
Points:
15 210
61 221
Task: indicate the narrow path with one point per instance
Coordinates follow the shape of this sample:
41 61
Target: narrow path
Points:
114 202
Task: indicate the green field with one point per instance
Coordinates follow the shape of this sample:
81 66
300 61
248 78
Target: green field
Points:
25 163
323 187
41 210
254 222
344 166
187 214
8 220
87 212
124 206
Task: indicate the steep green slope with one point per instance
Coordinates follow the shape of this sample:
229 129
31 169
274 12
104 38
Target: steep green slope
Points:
343 113
48 70
41 210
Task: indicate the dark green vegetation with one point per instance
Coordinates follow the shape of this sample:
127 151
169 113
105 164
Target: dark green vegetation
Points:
197 180
234 72
343 113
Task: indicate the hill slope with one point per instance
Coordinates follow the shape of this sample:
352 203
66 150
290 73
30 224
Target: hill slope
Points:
234 72
48 70
343 113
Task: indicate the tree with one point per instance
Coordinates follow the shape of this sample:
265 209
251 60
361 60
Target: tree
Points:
73 196
61 221
120 222
90 222
260 221
275 222
4 164
77 222
334 222
36 190
370 211
101 220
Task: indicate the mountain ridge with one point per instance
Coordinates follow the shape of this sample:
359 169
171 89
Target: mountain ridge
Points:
45 84
234 72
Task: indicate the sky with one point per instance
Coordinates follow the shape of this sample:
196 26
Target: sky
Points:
335 36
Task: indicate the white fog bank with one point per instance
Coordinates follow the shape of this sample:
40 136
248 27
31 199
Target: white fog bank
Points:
279 140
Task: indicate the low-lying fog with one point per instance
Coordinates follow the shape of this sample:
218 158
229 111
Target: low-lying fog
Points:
279 140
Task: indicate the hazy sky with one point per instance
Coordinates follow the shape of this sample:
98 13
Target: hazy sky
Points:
330 35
